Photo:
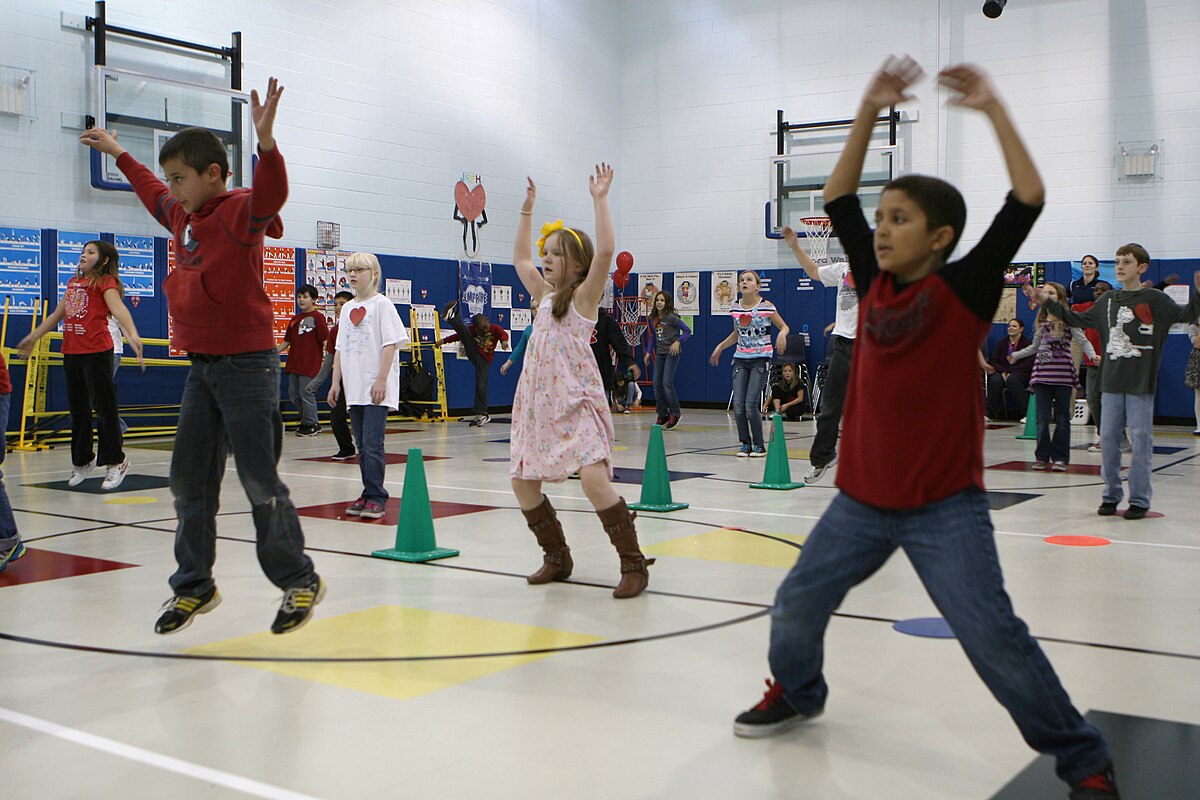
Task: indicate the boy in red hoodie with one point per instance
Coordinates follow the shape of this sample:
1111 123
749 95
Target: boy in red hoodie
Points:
223 320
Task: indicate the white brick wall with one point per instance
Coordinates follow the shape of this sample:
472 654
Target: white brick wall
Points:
389 101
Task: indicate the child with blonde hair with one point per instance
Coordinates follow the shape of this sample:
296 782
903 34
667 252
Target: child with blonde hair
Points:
561 420
366 366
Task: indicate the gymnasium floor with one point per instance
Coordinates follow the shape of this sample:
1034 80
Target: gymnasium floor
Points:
456 679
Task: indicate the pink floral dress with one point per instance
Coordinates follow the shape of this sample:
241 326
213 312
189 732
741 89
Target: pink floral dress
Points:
560 418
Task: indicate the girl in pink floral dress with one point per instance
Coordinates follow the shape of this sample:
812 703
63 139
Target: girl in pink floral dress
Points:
561 422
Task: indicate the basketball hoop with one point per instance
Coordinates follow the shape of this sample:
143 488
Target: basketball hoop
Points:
817 229
631 316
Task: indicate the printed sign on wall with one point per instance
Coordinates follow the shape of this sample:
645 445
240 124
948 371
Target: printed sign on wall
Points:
724 292
21 268
687 293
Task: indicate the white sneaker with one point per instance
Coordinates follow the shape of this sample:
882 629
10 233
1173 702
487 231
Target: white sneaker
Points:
1094 448
79 474
115 474
815 474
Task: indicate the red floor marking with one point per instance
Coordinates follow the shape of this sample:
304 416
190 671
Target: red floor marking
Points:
1077 541
402 430
392 515
47 565
1027 466
390 458
1149 514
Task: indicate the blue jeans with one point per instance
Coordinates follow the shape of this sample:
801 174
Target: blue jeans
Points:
9 538
951 546
665 397
1058 446
231 403
304 401
749 377
369 423
1136 412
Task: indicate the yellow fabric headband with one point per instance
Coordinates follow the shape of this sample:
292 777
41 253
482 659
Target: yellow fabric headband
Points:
551 227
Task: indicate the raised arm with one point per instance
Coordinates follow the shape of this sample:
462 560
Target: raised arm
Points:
972 89
25 346
888 88
592 289
270 177
533 281
809 266
149 189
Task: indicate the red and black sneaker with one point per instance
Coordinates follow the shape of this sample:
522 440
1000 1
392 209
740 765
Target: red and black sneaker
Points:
1101 786
772 715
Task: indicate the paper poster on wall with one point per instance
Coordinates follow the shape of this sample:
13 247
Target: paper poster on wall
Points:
1180 293
398 290
687 293
137 264
1019 274
279 281
325 270
475 285
724 291
649 284
21 268
70 248
426 316
1007 308
521 319
501 296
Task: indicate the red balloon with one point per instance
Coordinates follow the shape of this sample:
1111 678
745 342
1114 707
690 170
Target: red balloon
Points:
624 261
621 279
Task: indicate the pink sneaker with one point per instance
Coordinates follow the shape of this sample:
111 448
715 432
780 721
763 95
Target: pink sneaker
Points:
356 508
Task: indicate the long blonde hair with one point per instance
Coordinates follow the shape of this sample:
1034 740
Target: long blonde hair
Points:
577 252
369 261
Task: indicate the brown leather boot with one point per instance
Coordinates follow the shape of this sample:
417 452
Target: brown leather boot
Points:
556 564
618 523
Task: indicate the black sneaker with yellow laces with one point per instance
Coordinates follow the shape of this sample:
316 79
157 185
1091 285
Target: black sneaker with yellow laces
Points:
177 613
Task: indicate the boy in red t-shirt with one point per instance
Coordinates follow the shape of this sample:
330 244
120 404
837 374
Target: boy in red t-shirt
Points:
304 343
224 321
911 471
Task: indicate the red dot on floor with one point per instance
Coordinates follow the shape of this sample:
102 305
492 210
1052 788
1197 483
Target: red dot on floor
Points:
1077 541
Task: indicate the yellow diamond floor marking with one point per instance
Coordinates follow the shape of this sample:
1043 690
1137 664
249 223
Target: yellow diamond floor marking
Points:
620 447
801 454
130 501
396 631
733 547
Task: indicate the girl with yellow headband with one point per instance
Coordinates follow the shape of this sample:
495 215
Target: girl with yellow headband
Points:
561 422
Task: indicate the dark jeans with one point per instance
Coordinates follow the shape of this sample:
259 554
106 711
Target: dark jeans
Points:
833 398
9 538
666 400
482 365
90 384
1007 398
951 546
369 423
231 403
339 420
749 378
1056 447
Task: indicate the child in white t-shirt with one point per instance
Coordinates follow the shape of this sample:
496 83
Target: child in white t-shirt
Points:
366 367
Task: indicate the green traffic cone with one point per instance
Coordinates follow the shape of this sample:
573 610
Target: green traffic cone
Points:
777 474
656 480
1030 431
414 532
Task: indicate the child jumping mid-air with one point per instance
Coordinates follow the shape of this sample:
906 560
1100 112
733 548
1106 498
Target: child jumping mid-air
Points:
921 323
224 322
561 420
367 365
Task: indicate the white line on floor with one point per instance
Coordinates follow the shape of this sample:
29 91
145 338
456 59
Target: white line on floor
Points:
207 774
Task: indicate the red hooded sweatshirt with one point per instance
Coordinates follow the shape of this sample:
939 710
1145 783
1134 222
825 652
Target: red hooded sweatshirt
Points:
215 294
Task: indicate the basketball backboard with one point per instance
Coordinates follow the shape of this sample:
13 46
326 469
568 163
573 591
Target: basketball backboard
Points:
145 110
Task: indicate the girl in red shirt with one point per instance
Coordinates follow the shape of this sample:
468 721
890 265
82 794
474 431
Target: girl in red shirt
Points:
93 294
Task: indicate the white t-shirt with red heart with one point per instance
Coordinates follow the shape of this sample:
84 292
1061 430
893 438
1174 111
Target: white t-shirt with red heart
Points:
365 327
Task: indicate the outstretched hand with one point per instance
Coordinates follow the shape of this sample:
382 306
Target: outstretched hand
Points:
969 85
599 183
102 140
530 195
890 84
1038 294
263 113
789 235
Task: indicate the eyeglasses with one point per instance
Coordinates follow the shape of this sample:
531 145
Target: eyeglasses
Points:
356 270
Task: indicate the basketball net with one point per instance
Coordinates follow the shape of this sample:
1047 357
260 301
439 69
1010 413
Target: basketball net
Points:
631 316
817 229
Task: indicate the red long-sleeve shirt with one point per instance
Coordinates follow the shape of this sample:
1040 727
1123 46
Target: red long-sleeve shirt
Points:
215 293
